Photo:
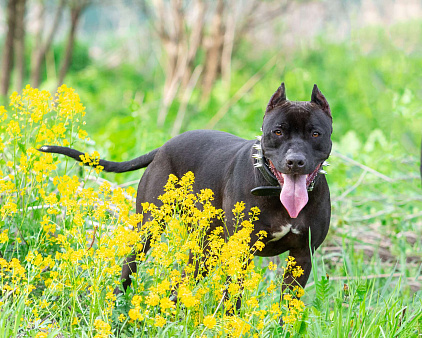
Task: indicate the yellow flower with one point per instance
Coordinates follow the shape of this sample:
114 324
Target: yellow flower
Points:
238 209
8 208
136 300
186 297
297 272
163 286
159 321
272 287
272 266
41 334
237 326
209 321
166 303
103 329
206 195
3 236
152 299
3 115
82 134
13 128
253 302
135 314
299 291
233 289
59 130
43 304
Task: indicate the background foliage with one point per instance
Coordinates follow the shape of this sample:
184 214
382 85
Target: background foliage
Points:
367 274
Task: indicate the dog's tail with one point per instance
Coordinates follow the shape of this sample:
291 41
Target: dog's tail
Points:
109 166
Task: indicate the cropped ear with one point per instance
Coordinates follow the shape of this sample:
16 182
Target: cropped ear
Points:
320 100
278 97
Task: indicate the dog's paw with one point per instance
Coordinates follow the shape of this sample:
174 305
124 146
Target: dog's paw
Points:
117 291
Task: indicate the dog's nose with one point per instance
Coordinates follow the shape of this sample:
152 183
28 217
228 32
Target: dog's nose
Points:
295 162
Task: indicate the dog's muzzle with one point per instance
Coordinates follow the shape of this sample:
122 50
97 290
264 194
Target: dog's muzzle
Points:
292 188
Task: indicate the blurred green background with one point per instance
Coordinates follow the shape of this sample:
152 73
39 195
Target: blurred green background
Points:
148 70
365 56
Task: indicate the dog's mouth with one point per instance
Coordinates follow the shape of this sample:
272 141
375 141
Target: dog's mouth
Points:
294 189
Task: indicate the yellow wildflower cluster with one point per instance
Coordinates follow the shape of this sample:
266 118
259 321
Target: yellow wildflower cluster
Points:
295 308
58 232
11 274
92 160
103 329
292 268
209 321
200 266
4 237
63 239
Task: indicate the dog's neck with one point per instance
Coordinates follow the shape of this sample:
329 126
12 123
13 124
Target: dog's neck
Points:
273 188
262 164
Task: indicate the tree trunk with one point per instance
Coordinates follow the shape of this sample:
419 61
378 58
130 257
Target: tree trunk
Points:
35 75
227 50
75 14
20 43
7 63
213 56
38 56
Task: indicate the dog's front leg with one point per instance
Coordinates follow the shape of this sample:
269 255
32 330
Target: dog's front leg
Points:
129 267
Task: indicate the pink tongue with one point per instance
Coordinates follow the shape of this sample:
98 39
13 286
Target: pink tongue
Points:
294 194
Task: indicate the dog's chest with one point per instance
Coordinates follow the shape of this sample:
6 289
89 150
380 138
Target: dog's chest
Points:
278 233
280 238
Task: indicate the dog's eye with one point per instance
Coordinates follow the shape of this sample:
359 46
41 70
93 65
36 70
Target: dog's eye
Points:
278 132
315 134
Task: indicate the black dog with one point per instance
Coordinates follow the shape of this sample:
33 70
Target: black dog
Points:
279 173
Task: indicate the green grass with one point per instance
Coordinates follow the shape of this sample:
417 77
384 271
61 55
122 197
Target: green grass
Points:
366 279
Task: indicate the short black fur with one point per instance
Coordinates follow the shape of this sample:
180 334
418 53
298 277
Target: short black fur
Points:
296 139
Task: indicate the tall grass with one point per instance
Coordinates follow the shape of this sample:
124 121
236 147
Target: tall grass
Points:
65 232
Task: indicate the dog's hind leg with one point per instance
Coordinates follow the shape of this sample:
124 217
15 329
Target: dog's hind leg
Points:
129 267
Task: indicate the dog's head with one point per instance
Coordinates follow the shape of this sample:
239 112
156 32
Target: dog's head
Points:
296 141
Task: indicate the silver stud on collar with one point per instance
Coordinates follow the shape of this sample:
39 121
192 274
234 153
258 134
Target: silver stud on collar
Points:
322 171
258 155
257 146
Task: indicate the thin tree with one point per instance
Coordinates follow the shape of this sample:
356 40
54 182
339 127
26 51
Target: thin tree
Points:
42 47
202 33
180 29
214 48
8 49
76 9
20 44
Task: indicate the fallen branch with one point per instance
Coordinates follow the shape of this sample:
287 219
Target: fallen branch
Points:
93 237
